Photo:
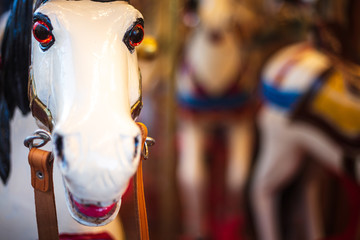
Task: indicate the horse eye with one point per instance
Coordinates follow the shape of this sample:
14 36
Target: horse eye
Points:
136 35
43 34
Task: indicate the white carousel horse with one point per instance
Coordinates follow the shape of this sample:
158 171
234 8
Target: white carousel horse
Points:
287 76
210 84
84 70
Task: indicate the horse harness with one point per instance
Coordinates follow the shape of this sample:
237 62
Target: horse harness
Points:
41 163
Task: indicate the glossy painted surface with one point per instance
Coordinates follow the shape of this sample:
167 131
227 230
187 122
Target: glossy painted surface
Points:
89 79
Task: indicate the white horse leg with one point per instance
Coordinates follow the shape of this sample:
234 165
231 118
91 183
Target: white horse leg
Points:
320 146
330 155
240 149
192 176
278 162
314 223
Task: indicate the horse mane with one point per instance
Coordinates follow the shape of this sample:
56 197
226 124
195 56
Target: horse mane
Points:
15 55
15 52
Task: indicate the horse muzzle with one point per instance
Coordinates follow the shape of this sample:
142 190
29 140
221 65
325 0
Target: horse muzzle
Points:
96 170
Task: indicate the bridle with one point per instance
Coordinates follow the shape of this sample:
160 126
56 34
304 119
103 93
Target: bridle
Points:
38 109
41 163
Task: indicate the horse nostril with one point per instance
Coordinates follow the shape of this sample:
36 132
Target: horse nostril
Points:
136 143
59 146
59 149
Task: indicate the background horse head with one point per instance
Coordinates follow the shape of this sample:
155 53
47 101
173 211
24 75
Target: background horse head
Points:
84 87
214 51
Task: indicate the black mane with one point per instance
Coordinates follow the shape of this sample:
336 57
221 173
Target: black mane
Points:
15 52
15 55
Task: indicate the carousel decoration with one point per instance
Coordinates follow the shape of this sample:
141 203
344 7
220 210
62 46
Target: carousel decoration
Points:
311 106
214 92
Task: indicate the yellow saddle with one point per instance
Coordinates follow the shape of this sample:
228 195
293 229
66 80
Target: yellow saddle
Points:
331 107
337 106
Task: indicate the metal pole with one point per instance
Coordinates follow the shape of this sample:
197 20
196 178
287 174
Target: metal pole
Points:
168 199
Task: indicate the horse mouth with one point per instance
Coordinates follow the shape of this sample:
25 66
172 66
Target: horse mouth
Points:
90 213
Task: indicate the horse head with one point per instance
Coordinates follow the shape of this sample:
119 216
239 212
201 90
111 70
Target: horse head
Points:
214 50
85 87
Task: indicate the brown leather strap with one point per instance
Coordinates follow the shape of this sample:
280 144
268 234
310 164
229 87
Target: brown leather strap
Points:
38 108
41 163
139 192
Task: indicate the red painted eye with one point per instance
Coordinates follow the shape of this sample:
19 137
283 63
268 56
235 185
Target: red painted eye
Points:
136 35
42 33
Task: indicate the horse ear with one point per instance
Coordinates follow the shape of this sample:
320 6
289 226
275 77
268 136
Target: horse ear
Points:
5 140
15 52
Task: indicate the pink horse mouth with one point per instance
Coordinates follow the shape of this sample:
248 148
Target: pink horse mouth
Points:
91 213
94 211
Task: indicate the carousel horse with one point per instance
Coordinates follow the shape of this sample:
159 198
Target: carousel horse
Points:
211 93
311 106
80 59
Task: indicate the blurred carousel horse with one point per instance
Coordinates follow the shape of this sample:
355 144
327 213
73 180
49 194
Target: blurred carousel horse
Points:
213 92
311 105
85 84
